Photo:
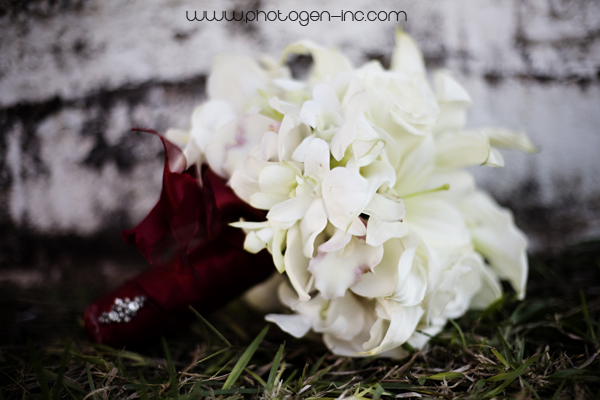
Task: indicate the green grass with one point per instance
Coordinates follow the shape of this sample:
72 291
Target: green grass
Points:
545 347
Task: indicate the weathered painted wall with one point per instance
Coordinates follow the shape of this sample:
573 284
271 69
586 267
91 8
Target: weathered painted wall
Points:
76 75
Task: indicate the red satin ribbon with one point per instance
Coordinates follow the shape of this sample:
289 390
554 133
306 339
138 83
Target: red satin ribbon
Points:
198 259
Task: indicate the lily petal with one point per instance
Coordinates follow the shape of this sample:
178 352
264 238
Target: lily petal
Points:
461 150
497 238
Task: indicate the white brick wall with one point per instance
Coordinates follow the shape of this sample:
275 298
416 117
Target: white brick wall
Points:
75 76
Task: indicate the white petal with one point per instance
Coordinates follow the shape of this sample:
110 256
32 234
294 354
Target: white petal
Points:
316 161
289 85
343 138
235 79
357 104
302 149
498 239
344 348
291 133
379 232
411 282
419 340
403 323
352 310
243 186
263 297
491 289
326 97
266 201
327 63
378 173
277 249
337 241
495 159
295 325
312 224
253 244
461 150
335 272
283 107
277 179
290 210
296 264
382 281
344 194
436 222
232 143
357 227
250 224
355 86
366 152
269 147
333 275
386 207
208 118
510 140
448 90
377 333
416 167
458 284
308 113
406 56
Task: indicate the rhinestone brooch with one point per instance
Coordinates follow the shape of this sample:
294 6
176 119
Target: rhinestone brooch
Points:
123 310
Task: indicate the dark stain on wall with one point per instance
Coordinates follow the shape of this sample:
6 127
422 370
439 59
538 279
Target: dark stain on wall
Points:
555 226
39 8
96 107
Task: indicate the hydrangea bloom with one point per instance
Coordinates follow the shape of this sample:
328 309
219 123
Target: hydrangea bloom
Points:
377 230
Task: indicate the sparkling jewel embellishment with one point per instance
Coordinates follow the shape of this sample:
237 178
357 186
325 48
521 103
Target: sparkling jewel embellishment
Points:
123 310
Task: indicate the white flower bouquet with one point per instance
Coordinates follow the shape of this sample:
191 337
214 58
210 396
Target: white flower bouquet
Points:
378 232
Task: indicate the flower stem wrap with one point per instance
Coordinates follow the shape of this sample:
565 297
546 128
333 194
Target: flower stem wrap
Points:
198 259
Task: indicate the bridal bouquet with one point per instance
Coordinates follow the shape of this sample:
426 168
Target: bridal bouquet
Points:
352 181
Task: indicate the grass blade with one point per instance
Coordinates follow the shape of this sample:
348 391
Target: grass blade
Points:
317 365
58 385
586 314
274 368
499 357
39 372
210 326
171 368
90 380
460 332
244 359
378 392
446 375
